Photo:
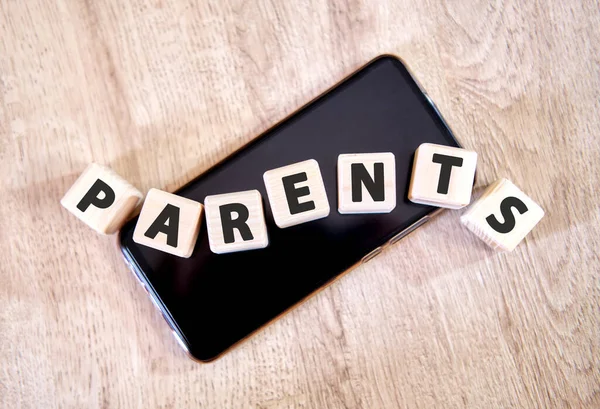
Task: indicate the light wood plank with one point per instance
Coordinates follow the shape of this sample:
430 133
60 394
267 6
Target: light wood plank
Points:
160 91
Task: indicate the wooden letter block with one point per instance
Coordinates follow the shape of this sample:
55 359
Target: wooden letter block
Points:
366 183
502 216
101 199
236 222
296 193
168 223
442 176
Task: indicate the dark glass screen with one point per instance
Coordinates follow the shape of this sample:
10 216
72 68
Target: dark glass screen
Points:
213 300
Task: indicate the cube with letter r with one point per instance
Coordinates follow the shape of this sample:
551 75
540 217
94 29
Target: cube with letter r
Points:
296 193
235 222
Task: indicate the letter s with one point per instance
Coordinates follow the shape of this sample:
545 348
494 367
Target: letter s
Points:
506 210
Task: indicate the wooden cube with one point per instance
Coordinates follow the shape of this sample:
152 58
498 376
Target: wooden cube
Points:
236 222
442 176
101 199
168 223
502 216
366 183
296 193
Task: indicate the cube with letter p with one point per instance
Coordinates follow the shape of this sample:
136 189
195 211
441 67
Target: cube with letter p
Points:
101 199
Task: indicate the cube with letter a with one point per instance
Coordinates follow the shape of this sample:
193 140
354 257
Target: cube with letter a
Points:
168 223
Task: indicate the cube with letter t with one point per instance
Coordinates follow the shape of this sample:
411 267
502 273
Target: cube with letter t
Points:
235 222
168 223
442 176
366 183
101 199
296 193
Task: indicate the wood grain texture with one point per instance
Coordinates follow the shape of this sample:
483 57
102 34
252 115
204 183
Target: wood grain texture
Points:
161 90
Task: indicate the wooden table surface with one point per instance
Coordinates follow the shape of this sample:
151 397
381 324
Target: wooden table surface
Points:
162 90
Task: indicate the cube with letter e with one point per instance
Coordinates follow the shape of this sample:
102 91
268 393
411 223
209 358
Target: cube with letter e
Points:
296 193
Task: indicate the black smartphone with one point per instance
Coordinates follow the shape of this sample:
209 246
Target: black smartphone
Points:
213 301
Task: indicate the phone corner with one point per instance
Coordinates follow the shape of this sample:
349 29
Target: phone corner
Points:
192 355
390 57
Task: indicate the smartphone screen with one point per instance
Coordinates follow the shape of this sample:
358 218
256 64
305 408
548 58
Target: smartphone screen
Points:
213 301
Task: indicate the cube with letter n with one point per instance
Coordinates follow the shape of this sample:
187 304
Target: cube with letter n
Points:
366 183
